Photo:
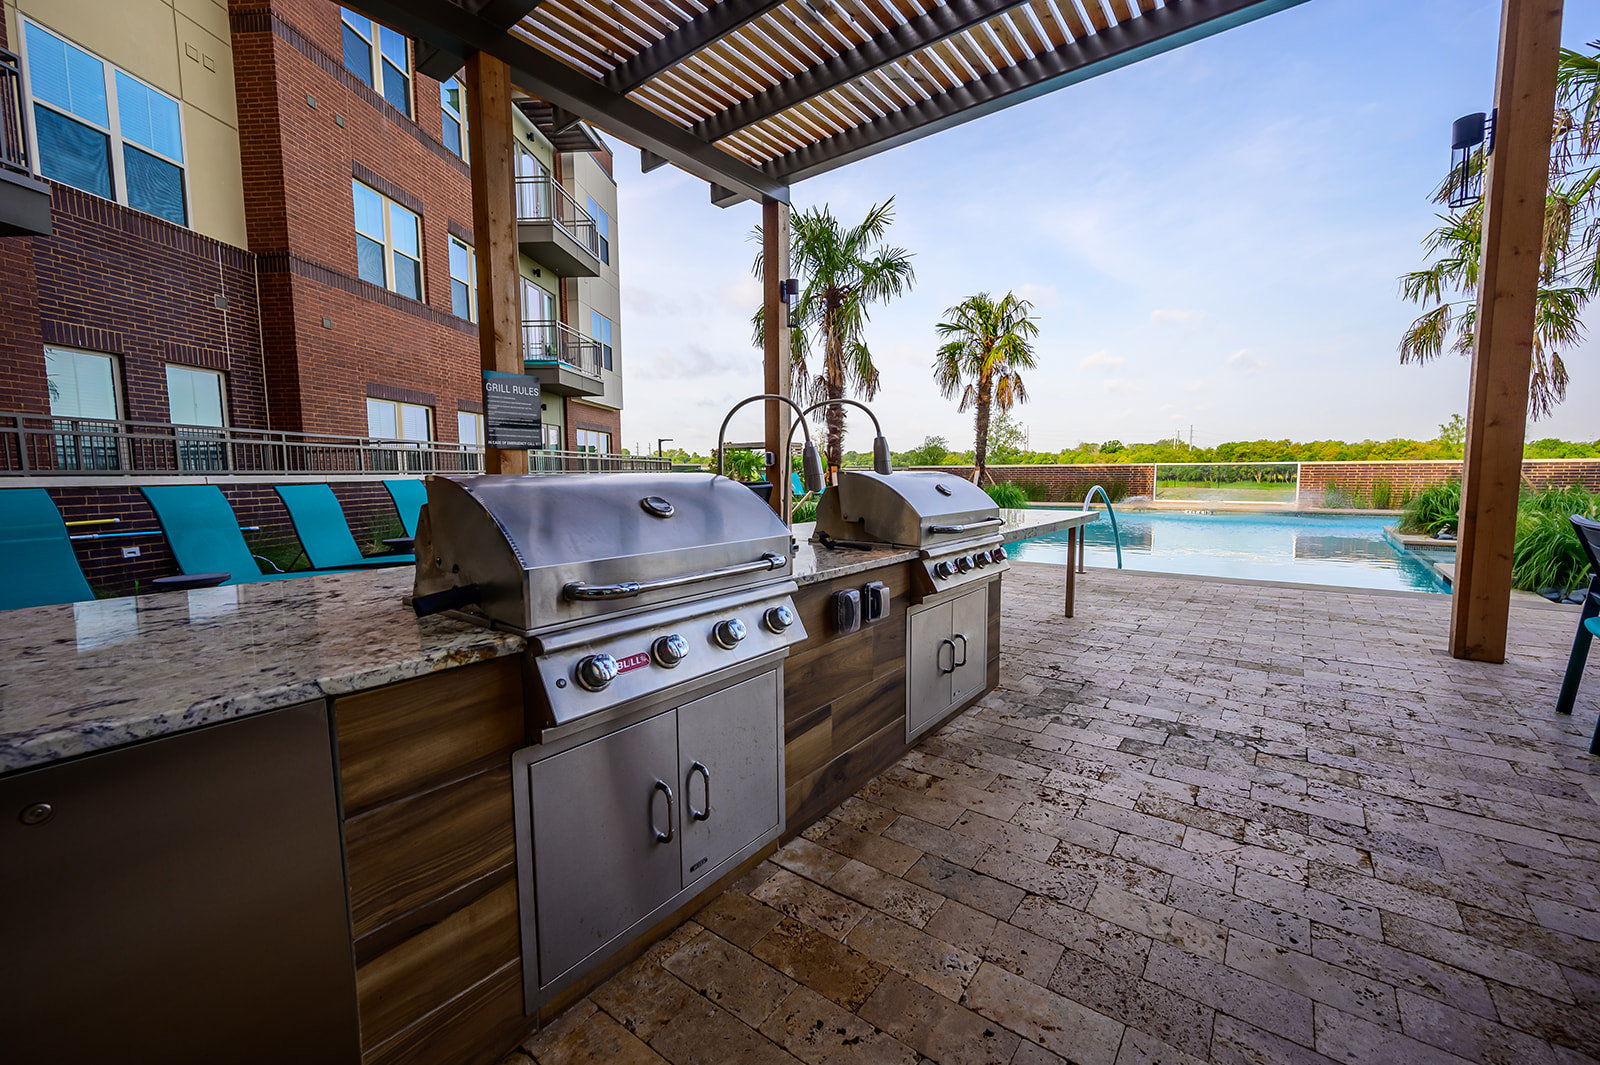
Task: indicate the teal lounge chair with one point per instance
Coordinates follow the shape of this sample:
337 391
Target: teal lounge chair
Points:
797 487
324 534
409 495
203 533
42 568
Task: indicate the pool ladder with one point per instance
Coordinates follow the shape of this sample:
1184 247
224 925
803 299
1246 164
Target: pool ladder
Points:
1116 537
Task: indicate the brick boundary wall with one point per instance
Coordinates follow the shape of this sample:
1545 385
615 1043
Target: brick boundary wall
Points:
1067 482
1408 478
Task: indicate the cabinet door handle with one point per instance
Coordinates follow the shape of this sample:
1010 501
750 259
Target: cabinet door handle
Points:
963 638
939 656
662 837
697 815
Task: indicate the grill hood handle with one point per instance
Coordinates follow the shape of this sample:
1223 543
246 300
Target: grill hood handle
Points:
449 599
981 523
578 590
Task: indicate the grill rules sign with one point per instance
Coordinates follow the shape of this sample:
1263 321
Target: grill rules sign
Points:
511 410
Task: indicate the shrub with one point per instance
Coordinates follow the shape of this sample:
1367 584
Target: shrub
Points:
1007 496
1382 495
804 510
1336 498
1547 553
1434 509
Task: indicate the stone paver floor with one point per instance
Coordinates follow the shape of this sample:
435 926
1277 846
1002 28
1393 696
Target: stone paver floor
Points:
1202 821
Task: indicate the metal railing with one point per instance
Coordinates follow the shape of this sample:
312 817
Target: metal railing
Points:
14 153
551 341
42 445
540 198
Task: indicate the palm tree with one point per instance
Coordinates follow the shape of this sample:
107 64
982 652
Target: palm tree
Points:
1569 276
987 343
842 272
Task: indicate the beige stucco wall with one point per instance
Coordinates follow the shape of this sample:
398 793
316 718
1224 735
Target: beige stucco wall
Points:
181 47
603 293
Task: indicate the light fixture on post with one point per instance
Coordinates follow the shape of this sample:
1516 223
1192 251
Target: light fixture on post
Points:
790 291
1465 183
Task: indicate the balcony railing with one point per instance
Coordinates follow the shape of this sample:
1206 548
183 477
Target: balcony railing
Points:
14 154
540 198
41 445
550 341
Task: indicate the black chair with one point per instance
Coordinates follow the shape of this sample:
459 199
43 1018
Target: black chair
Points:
1588 622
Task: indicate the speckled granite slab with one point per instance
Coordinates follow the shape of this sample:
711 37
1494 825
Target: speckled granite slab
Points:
90 676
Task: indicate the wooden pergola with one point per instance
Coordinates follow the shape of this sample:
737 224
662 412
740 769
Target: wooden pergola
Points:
754 95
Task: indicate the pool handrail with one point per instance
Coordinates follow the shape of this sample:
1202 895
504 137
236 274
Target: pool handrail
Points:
1116 537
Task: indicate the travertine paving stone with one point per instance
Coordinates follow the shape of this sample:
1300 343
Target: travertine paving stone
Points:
1203 821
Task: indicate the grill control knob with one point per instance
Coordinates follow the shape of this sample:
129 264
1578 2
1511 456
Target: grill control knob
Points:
778 618
980 559
998 554
963 563
942 570
596 671
727 634
669 650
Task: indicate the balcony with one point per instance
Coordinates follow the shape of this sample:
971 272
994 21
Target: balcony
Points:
24 199
566 362
554 230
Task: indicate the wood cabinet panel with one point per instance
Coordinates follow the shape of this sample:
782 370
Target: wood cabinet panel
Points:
810 798
403 737
405 853
475 1028
436 965
808 743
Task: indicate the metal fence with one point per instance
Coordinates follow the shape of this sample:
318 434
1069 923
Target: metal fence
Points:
14 154
550 341
540 198
41 445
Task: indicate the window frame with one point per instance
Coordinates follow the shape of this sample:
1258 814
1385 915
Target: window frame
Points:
399 407
595 320
114 362
374 78
470 281
457 115
222 391
602 228
117 140
391 277
580 445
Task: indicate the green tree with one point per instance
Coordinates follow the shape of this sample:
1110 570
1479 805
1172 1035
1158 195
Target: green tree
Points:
1453 435
842 272
1569 274
987 344
933 452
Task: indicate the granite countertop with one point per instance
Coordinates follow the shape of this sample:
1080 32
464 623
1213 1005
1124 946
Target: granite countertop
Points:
85 677
1026 524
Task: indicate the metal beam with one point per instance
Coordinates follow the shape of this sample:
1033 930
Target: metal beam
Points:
649 161
1118 46
440 64
945 20
448 27
705 29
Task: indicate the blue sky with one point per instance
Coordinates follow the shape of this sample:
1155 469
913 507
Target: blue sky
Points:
1211 238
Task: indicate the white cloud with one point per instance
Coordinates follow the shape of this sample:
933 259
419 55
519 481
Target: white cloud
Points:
1173 314
1101 360
1198 384
1123 387
1038 295
1247 361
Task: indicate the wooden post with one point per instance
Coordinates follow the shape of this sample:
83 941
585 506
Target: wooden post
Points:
776 352
494 225
1497 406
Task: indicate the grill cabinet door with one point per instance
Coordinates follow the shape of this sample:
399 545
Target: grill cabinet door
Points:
969 628
597 864
928 658
734 735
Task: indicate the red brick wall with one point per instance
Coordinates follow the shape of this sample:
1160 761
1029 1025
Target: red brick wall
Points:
298 163
595 419
1067 483
115 280
1408 478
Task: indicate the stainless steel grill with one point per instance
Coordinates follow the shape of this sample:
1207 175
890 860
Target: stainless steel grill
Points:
950 520
658 610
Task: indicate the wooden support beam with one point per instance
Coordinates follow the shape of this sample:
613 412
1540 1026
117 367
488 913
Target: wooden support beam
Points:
490 137
1497 406
776 353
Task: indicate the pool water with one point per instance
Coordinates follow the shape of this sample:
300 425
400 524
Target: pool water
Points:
1347 550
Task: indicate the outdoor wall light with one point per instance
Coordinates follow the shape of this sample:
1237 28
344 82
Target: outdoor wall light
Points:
790 291
1465 184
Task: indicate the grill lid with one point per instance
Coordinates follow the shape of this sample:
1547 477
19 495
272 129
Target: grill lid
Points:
921 509
548 551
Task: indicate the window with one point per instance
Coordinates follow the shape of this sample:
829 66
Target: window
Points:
388 243
83 392
103 131
378 56
589 440
194 397
552 437
389 420
463 281
600 329
602 228
469 433
453 122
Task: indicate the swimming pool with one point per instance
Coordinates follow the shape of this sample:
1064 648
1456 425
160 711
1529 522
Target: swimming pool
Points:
1347 550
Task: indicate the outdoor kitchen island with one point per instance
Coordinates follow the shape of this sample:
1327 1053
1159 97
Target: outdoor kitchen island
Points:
237 806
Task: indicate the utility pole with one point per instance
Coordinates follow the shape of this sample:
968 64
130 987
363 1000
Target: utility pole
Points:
660 453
